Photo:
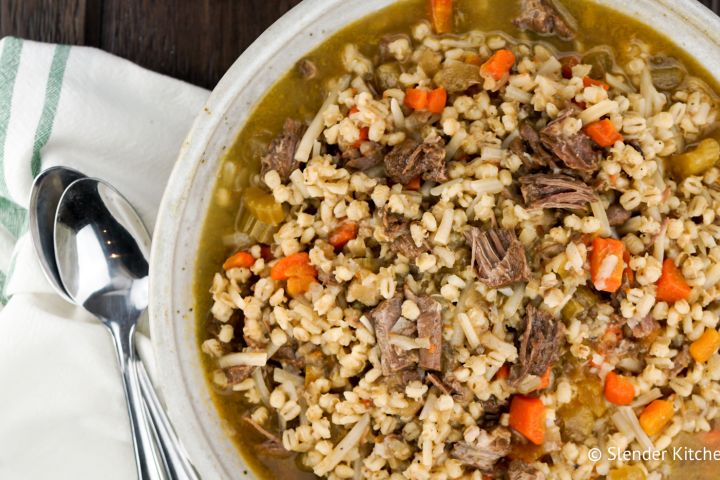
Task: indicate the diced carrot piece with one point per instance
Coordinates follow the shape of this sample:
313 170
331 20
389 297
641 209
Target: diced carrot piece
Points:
353 109
239 260
279 271
591 82
416 98
618 389
473 59
299 285
499 64
343 234
436 100
301 270
603 132
705 347
441 13
364 131
502 373
527 416
606 264
655 416
567 64
413 184
671 286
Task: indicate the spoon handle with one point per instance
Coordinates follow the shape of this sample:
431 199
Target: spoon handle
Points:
149 461
178 463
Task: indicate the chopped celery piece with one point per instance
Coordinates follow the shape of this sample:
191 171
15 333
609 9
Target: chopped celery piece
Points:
698 160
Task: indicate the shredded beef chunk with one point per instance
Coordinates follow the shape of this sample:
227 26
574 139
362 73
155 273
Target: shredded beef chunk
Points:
405 245
384 318
519 470
367 155
617 215
538 344
485 451
498 255
281 152
529 148
576 151
429 325
542 17
410 159
397 228
555 191
393 224
237 374
451 386
272 446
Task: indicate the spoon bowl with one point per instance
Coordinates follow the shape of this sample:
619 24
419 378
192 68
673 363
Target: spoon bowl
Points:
45 195
102 250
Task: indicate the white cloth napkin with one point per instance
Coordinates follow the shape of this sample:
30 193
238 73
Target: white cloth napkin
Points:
62 412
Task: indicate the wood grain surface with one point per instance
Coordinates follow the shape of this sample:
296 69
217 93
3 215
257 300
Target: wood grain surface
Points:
194 40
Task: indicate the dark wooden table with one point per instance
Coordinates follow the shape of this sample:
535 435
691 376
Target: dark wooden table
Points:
194 40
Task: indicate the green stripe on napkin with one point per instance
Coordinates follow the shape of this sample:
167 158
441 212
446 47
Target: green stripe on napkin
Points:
12 217
9 62
52 96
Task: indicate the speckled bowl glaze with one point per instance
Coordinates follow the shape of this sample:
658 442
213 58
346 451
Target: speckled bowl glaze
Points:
189 191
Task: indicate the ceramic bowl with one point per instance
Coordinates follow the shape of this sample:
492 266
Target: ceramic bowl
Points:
189 191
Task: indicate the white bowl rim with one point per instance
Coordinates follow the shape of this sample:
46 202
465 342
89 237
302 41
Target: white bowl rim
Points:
695 29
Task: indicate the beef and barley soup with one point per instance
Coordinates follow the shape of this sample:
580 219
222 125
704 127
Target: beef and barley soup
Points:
475 239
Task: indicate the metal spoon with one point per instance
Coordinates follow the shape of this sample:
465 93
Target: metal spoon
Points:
45 195
101 252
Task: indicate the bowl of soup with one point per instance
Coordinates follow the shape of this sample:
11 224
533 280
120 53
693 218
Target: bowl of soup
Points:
449 239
